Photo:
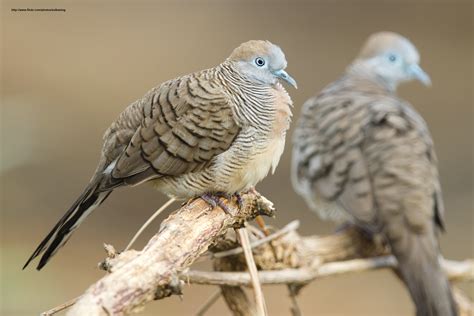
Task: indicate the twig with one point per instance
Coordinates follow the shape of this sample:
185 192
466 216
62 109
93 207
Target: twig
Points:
256 231
208 303
234 296
453 269
238 250
458 270
259 299
61 307
465 305
148 222
295 309
261 223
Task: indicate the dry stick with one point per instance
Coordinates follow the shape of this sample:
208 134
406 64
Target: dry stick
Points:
295 308
458 270
209 302
465 306
148 222
234 297
455 270
259 299
256 231
235 251
262 225
61 307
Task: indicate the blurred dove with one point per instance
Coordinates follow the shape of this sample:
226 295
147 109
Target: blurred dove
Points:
363 155
216 131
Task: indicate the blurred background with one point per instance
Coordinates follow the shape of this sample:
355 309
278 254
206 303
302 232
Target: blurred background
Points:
67 75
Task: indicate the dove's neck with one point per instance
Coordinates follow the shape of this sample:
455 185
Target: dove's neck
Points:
252 101
366 70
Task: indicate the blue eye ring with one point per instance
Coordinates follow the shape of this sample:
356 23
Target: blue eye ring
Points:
392 58
259 61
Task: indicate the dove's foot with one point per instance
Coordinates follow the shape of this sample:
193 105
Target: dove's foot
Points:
214 200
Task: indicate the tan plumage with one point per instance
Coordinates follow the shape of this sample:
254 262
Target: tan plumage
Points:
364 155
216 130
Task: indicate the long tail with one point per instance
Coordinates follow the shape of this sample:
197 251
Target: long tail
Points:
420 269
59 235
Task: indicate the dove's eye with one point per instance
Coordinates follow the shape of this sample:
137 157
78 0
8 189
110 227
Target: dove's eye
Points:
259 61
392 58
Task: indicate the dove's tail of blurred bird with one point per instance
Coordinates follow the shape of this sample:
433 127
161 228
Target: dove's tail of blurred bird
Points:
91 198
420 269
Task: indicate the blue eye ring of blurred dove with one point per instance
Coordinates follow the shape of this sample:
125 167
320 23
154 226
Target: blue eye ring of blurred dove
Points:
215 131
363 155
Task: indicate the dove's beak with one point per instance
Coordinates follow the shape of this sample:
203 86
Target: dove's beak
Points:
285 76
417 73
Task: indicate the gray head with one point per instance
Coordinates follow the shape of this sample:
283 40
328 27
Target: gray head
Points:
262 62
393 58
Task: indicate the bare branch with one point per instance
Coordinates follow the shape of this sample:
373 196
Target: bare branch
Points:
238 250
138 277
295 308
234 296
465 305
252 268
61 307
160 269
455 270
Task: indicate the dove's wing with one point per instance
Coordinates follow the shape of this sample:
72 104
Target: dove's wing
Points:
188 122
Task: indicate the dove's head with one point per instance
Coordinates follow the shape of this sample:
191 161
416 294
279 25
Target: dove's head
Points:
262 62
393 58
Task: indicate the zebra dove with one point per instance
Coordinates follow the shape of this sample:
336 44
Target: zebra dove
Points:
363 155
218 130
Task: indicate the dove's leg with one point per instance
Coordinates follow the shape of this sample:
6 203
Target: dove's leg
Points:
210 199
214 200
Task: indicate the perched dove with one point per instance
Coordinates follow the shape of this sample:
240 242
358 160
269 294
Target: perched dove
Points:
216 131
364 155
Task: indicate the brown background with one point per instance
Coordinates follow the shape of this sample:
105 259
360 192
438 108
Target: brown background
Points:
66 76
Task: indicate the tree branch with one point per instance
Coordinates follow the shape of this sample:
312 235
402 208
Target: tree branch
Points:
138 277
252 269
160 269
455 270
